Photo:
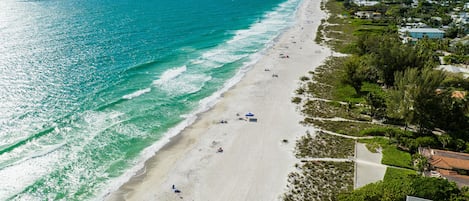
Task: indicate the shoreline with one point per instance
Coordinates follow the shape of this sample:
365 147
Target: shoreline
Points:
189 159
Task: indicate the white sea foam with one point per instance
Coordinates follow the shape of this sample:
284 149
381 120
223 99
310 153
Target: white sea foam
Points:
197 61
274 20
247 41
204 105
272 24
206 63
227 57
170 74
137 93
40 157
26 172
185 84
15 178
33 151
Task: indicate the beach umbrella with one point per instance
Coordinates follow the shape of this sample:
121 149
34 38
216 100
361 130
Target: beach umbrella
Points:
249 114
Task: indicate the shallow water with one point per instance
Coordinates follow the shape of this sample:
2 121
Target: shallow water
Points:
90 89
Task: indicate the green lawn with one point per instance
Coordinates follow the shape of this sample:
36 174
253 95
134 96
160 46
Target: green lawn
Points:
347 93
391 154
397 173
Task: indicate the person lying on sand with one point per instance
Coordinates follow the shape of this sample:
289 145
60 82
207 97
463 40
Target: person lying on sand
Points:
220 150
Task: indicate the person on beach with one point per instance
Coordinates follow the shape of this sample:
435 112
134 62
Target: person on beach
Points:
220 150
175 189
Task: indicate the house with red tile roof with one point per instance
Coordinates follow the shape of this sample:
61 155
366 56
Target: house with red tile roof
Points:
458 94
453 166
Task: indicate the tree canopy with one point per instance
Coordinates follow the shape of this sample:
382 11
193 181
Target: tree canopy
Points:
414 96
397 189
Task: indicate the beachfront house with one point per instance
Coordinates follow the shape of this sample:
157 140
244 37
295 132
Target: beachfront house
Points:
420 33
455 69
453 166
368 15
365 2
410 25
462 18
414 34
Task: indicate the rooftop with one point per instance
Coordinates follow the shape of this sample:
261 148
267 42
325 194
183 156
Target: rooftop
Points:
421 30
448 164
449 160
365 2
458 94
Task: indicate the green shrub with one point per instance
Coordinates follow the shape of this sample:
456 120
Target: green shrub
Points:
345 92
372 88
342 127
377 131
304 78
385 131
427 141
335 104
296 100
397 173
300 91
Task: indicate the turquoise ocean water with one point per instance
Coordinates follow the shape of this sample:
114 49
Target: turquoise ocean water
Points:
90 89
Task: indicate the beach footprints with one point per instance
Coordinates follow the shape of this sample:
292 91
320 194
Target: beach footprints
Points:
214 143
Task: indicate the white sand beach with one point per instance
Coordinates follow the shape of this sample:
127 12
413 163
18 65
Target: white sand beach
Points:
255 162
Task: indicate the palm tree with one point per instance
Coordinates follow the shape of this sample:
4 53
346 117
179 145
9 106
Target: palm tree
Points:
413 96
444 139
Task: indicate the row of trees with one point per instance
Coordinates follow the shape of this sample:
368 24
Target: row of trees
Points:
384 55
400 11
416 94
399 188
460 52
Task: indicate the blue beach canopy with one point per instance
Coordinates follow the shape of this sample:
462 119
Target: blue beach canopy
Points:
249 114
